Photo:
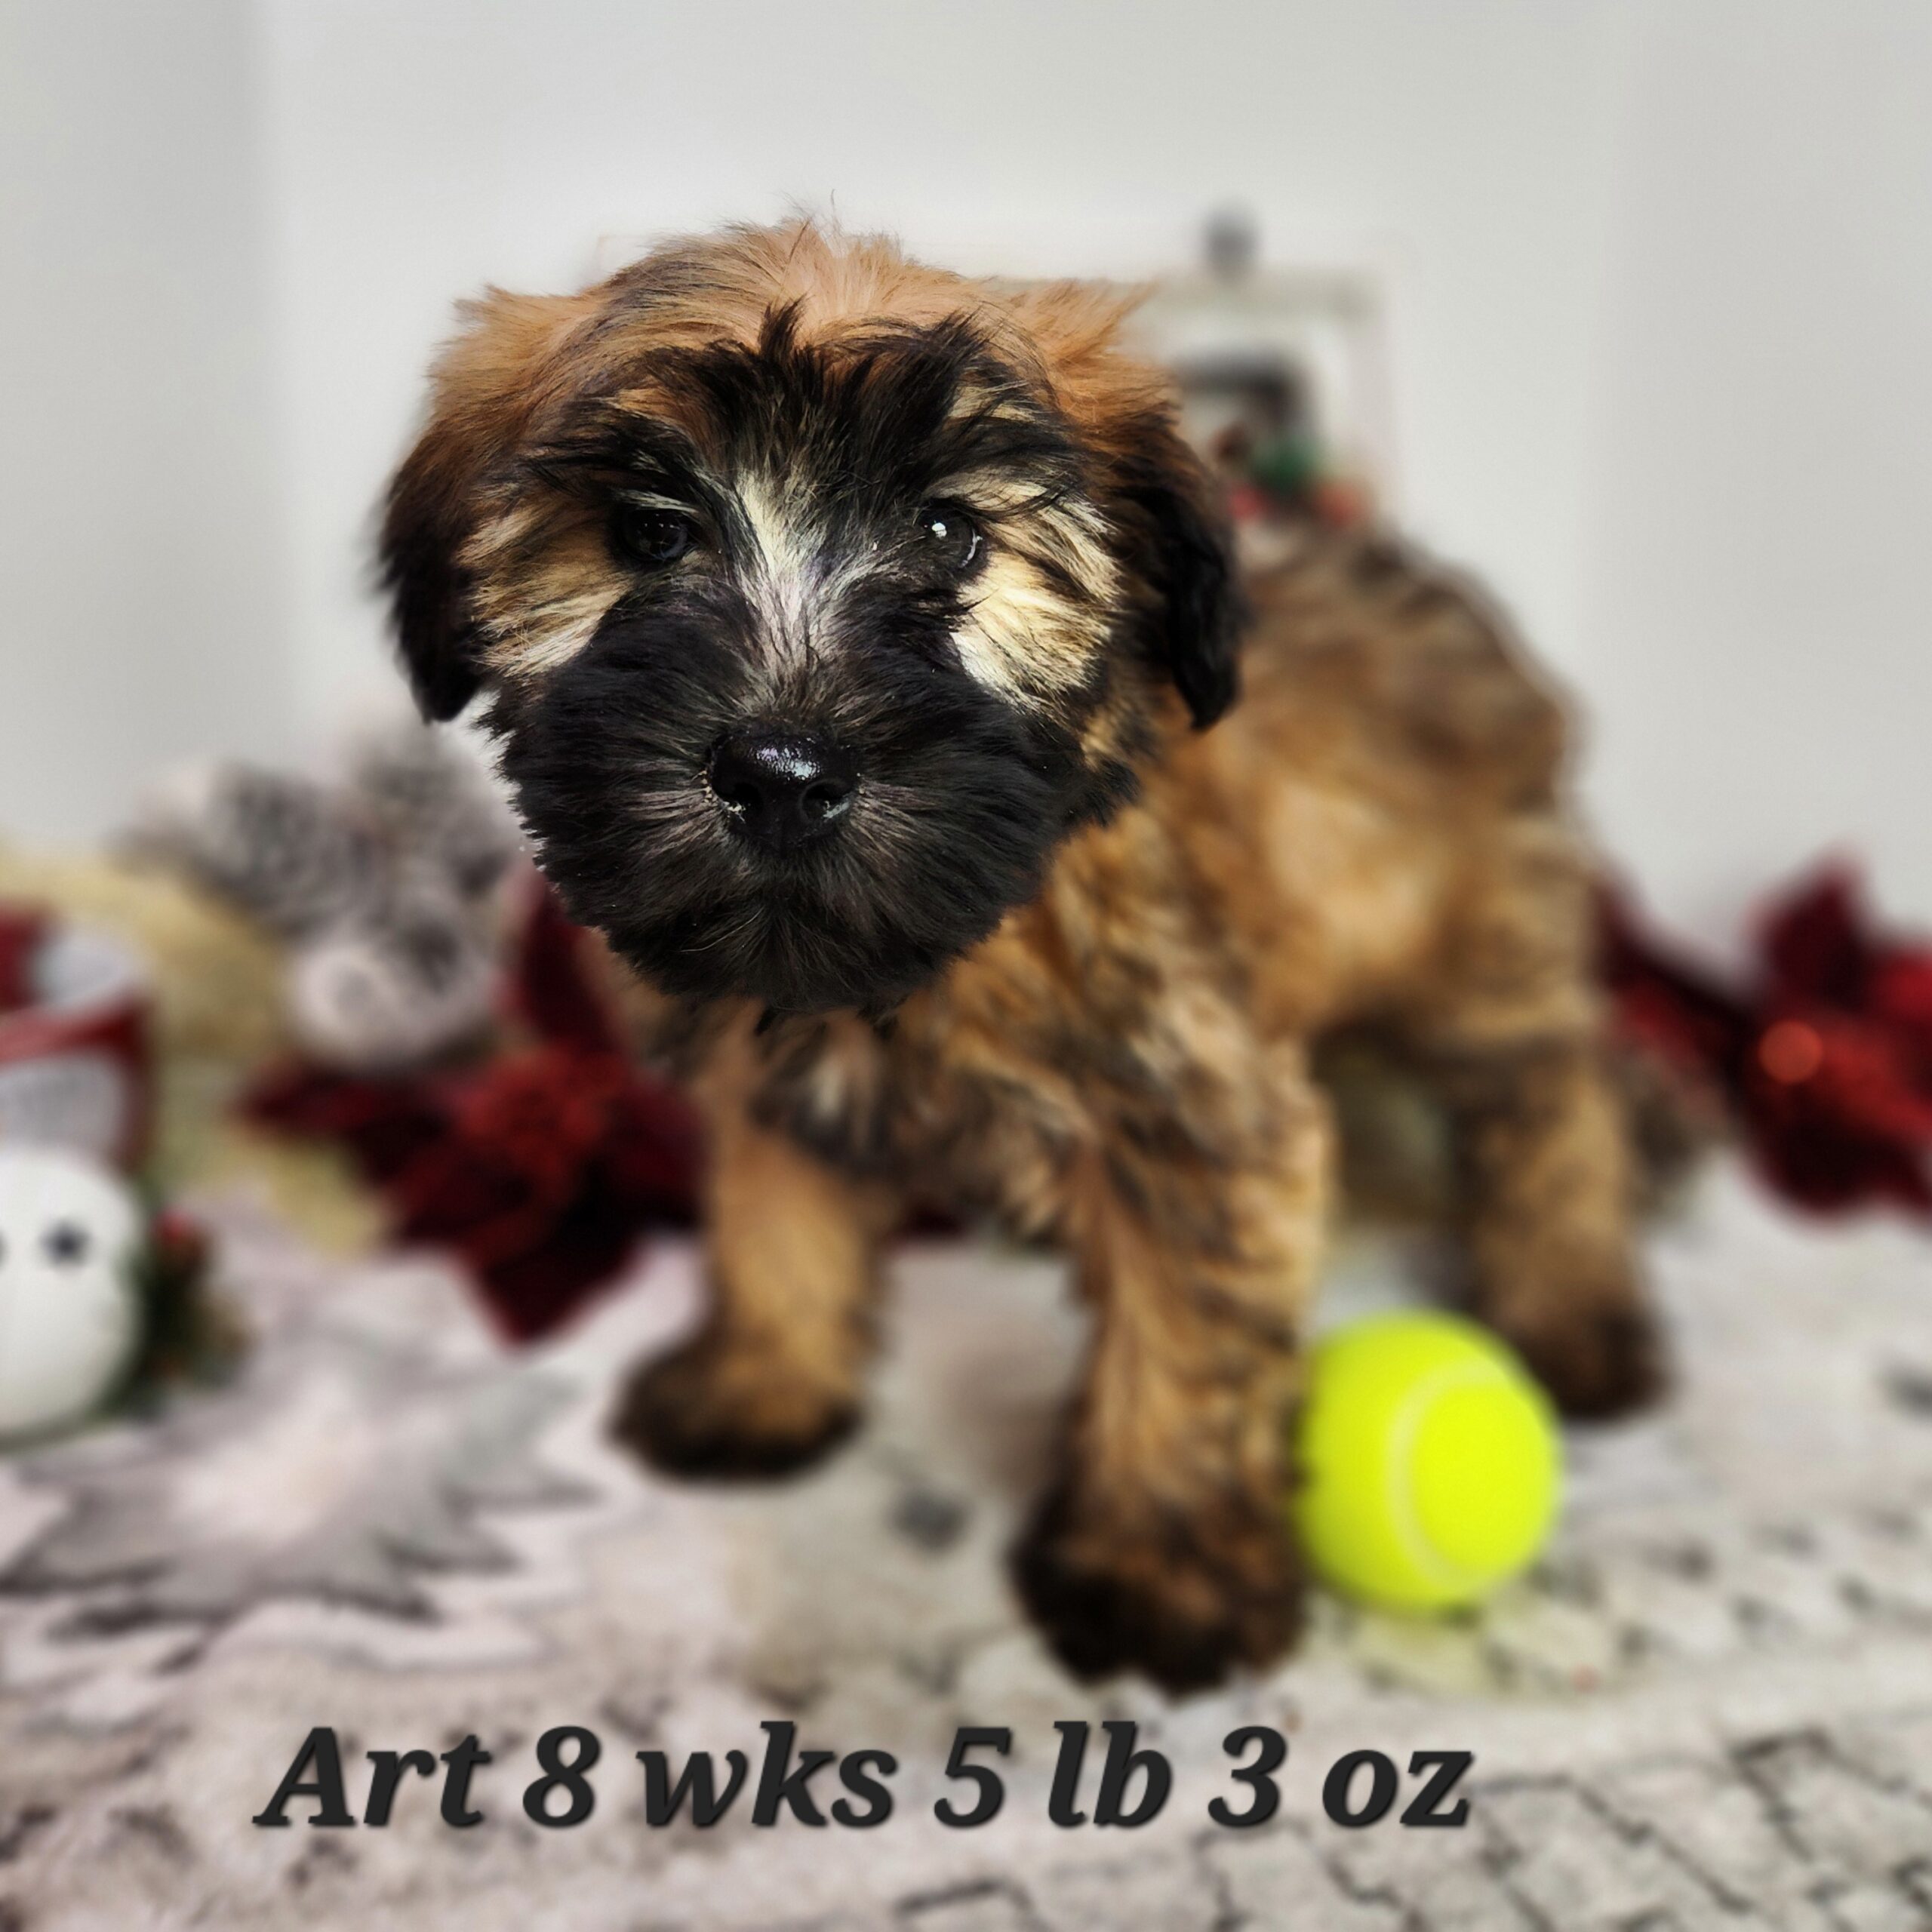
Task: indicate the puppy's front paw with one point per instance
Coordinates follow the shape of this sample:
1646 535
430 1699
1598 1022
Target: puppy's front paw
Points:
717 1410
1184 1600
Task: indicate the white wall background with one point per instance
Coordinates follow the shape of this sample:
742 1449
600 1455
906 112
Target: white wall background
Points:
1662 273
142 591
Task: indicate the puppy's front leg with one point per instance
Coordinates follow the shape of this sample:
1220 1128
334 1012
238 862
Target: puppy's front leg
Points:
1163 1545
772 1380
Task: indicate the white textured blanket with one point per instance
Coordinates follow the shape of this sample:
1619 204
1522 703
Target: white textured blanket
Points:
1711 1706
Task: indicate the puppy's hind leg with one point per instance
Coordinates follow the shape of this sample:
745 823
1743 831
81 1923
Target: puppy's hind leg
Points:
773 1379
1511 1030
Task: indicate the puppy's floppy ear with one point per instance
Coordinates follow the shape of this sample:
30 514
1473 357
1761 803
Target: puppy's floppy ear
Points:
1172 532
1170 506
483 390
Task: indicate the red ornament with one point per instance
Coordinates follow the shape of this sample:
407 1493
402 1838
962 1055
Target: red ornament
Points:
1825 1060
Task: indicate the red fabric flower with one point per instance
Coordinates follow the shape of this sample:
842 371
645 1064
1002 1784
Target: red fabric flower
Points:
1825 1059
542 1168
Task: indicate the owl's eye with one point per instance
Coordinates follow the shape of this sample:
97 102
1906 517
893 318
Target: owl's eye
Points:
951 538
652 538
65 1243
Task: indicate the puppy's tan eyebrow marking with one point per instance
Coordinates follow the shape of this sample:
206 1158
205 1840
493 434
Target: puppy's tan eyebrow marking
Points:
1020 638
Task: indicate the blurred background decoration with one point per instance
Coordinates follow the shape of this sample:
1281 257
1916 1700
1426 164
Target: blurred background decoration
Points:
1820 1054
1284 381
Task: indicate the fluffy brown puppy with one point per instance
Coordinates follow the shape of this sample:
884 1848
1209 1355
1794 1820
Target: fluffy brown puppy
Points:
853 633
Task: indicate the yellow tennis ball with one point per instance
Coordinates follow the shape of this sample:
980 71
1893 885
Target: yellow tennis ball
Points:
1431 1466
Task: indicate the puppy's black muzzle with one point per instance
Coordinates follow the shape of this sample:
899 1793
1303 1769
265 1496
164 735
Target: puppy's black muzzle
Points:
780 788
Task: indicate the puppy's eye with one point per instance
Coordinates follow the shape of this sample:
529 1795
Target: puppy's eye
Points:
655 539
951 538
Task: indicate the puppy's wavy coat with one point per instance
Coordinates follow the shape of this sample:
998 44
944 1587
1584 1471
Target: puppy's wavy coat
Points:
862 644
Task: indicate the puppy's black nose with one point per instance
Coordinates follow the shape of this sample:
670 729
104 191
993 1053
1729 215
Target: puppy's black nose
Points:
782 788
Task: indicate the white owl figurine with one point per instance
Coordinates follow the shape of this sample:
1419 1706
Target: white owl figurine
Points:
70 1308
